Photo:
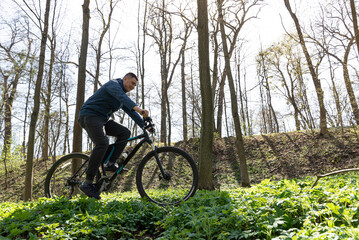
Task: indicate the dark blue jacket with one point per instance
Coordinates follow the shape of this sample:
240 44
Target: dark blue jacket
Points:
109 99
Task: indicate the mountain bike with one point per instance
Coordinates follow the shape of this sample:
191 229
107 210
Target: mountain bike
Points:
165 176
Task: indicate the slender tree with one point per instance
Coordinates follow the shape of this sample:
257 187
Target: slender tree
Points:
48 91
355 23
77 135
187 31
106 23
239 138
142 50
266 96
339 114
35 112
313 73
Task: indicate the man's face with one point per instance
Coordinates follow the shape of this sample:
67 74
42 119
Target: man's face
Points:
129 83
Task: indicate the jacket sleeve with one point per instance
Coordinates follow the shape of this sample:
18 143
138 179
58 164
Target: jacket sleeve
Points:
134 115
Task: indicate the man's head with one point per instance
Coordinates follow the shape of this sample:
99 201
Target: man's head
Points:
130 81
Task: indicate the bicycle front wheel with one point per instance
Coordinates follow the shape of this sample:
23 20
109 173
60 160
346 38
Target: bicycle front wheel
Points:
180 180
60 180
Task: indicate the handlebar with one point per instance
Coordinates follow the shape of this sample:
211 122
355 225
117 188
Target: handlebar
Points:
148 124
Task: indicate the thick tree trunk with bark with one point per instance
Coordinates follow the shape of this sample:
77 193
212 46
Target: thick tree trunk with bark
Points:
205 155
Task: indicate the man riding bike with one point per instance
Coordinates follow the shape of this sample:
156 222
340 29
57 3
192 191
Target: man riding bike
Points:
94 118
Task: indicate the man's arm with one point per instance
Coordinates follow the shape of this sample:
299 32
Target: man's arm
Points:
136 116
143 112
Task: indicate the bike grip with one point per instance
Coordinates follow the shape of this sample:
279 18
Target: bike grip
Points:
147 119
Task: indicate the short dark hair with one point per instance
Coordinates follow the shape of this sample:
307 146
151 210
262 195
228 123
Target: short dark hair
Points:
131 75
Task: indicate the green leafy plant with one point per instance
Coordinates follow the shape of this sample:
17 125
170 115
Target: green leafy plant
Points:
287 209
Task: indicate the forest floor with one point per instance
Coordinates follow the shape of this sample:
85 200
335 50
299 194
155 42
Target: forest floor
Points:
274 156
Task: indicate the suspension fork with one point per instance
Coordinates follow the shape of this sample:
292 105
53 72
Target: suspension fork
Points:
165 175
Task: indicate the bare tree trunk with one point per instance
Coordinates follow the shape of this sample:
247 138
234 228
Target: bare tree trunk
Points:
241 99
215 76
221 103
263 126
188 30
164 97
348 84
184 99
26 109
239 137
105 27
205 155
193 103
48 94
169 122
77 136
65 98
290 95
355 22
316 80
339 121
164 37
34 115
141 52
7 128
264 81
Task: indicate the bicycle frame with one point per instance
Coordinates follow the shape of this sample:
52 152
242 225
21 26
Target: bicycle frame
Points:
145 138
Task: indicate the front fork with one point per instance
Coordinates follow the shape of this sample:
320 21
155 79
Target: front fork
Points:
165 175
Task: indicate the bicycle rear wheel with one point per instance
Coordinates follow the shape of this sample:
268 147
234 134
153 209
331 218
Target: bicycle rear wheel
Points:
60 181
181 181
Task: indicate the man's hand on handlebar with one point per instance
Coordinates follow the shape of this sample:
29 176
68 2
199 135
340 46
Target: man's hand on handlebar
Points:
149 126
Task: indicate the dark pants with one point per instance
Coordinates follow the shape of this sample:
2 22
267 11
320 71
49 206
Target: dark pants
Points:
97 128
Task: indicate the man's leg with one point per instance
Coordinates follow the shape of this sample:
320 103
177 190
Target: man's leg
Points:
121 133
94 127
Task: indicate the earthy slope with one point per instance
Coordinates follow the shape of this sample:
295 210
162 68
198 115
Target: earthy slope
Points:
284 155
275 156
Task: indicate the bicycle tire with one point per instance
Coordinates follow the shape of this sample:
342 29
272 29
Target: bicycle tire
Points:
60 181
183 181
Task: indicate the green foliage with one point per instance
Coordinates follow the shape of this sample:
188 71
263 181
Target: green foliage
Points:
288 209
14 160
